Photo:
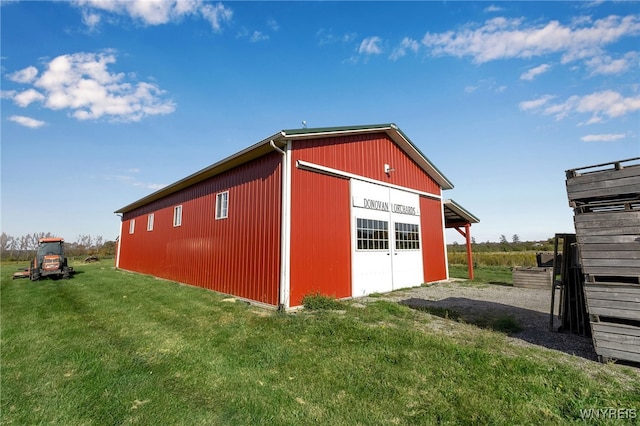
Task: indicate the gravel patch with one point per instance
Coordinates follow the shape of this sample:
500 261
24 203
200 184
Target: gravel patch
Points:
484 303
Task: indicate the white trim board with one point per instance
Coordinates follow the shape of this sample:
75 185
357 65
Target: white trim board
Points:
305 165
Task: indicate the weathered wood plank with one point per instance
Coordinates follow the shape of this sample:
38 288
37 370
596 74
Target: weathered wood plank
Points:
613 182
613 313
608 239
618 263
613 298
532 277
534 287
605 220
612 328
608 230
587 227
618 248
611 271
602 254
613 216
613 304
605 192
618 341
603 175
616 354
622 288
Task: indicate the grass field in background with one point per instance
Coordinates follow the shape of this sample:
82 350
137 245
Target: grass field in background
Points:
110 347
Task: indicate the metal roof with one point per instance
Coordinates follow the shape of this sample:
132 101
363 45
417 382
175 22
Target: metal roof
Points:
280 139
456 215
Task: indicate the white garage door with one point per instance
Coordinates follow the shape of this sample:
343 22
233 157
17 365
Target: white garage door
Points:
386 249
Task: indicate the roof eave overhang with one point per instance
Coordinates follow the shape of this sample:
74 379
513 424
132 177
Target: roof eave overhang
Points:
279 139
463 215
254 151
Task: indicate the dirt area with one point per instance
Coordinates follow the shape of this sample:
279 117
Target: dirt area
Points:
483 304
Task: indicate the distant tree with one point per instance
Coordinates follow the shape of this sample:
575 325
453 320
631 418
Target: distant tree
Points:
503 239
8 243
473 240
515 238
108 248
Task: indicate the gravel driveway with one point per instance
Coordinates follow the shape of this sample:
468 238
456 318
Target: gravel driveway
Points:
478 304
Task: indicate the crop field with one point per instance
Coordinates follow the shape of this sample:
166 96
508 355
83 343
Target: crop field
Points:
508 258
111 347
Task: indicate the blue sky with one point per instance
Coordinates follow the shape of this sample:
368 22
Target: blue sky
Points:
104 102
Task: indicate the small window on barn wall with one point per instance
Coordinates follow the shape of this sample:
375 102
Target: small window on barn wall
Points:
177 216
132 226
150 222
222 205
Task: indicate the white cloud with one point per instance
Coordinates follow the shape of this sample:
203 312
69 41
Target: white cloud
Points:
493 8
370 46
83 84
90 19
25 75
27 121
600 105
273 24
535 103
607 65
502 38
406 44
7 94
258 36
611 137
216 15
486 85
609 103
534 72
132 181
326 36
23 99
155 12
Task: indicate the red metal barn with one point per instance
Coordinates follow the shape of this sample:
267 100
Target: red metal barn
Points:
344 212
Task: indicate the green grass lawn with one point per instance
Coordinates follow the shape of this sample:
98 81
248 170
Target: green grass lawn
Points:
109 347
484 274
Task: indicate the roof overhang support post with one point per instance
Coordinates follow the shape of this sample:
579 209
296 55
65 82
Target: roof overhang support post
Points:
467 235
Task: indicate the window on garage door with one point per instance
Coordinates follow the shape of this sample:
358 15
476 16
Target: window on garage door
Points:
372 234
407 236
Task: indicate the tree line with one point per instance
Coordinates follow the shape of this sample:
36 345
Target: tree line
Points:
24 247
504 245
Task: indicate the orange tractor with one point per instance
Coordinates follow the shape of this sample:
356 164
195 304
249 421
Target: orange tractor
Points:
49 260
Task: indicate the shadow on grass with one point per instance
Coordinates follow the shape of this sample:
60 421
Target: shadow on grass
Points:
520 323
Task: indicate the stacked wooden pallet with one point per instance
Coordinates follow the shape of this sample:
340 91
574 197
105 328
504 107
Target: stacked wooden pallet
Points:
532 277
606 203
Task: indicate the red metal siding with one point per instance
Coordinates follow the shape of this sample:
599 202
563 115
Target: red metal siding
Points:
320 236
366 155
239 255
433 255
320 210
